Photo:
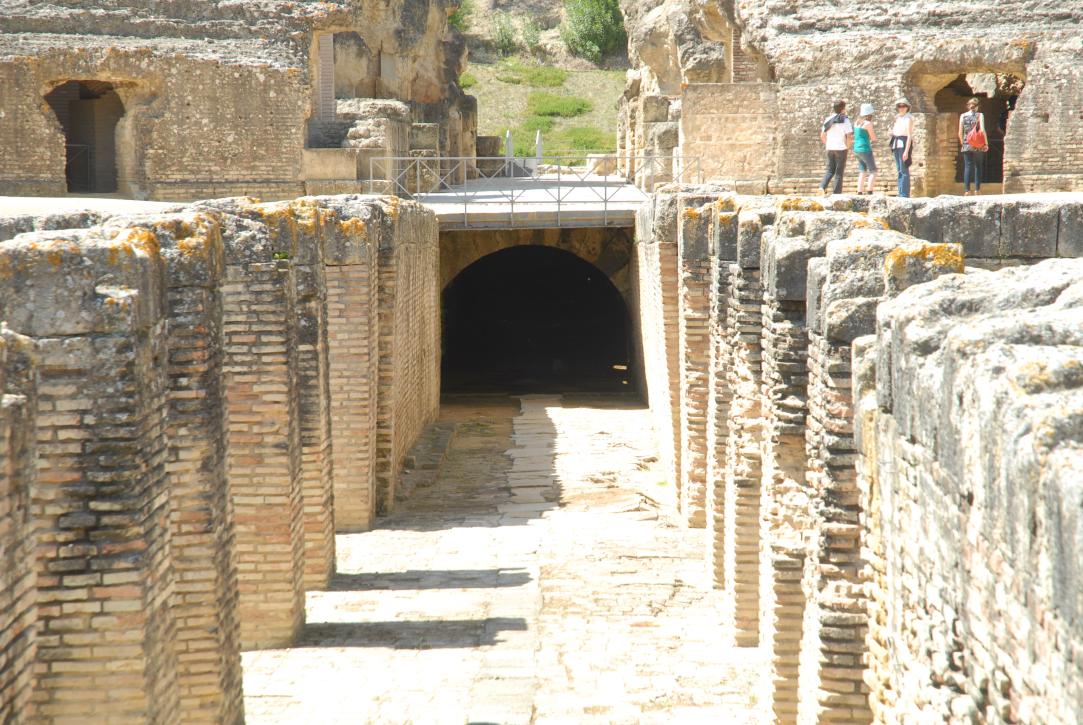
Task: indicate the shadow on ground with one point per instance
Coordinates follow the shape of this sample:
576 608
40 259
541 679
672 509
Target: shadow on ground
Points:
436 634
430 579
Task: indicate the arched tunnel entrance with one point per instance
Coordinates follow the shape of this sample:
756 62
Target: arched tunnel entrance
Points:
535 319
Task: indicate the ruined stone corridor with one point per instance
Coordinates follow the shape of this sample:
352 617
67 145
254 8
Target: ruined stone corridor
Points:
542 578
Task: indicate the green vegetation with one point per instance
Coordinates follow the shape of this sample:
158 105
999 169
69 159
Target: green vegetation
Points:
549 104
532 35
589 138
461 18
503 98
538 123
467 80
503 34
517 72
593 29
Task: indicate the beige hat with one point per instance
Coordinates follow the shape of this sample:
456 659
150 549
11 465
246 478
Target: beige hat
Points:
903 102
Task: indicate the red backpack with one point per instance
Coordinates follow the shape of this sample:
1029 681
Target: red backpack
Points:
976 139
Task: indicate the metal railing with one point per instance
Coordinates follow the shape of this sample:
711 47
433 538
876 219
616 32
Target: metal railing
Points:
558 185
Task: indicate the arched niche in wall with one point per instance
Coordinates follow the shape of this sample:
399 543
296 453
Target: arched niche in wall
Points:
88 112
940 96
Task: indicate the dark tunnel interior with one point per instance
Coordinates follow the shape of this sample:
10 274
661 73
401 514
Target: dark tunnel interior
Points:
534 319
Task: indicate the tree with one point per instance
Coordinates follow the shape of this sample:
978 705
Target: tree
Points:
593 28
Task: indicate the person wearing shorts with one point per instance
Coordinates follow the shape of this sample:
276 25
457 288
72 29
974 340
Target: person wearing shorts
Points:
864 135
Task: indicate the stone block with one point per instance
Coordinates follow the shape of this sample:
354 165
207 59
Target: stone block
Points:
1070 231
1029 229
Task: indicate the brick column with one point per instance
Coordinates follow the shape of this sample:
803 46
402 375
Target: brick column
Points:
720 360
739 554
408 381
102 505
204 537
350 269
264 434
844 289
694 247
18 574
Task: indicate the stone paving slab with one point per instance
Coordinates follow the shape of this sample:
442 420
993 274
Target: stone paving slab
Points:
541 579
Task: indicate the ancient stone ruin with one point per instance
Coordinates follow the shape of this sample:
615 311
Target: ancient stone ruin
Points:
866 411
745 85
155 100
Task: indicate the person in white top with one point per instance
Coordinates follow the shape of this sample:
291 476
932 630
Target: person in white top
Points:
836 134
902 144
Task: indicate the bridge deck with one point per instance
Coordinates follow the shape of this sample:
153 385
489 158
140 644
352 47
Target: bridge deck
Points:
533 203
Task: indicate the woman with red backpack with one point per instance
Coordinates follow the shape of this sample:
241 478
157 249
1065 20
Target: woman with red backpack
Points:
974 143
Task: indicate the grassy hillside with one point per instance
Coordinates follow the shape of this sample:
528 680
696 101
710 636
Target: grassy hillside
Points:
518 95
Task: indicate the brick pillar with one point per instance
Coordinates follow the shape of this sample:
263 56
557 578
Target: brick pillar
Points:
264 435
844 290
695 249
102 506
350 271
204 540
720 360
408 381
313 385
744 432
18 574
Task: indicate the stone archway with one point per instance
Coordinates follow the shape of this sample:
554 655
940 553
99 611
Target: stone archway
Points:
535 319
609 249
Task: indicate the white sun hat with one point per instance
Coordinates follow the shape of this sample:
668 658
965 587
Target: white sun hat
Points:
867 109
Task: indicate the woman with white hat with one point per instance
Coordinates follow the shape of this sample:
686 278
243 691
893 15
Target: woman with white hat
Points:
863 138
902 139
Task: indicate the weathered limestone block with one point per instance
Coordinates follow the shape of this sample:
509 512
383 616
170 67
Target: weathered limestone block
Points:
96 307
995 232
18 574
204 552
969 423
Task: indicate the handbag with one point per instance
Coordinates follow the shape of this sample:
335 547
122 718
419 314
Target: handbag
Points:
977 139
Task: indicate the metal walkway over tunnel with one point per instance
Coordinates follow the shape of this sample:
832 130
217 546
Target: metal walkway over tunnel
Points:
529 193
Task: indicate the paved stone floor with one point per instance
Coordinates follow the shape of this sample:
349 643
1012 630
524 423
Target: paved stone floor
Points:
543 578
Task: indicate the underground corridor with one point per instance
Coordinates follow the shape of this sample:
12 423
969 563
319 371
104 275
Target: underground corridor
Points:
534 319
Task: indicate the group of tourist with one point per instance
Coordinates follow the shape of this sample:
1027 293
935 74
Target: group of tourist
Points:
839 132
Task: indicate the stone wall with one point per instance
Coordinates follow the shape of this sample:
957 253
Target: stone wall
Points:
220 100
770 71
772 294
969 425
199 408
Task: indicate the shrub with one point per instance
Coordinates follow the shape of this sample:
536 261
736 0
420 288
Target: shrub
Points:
467 80
461 18
548 104
531 34
503 36
593 28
